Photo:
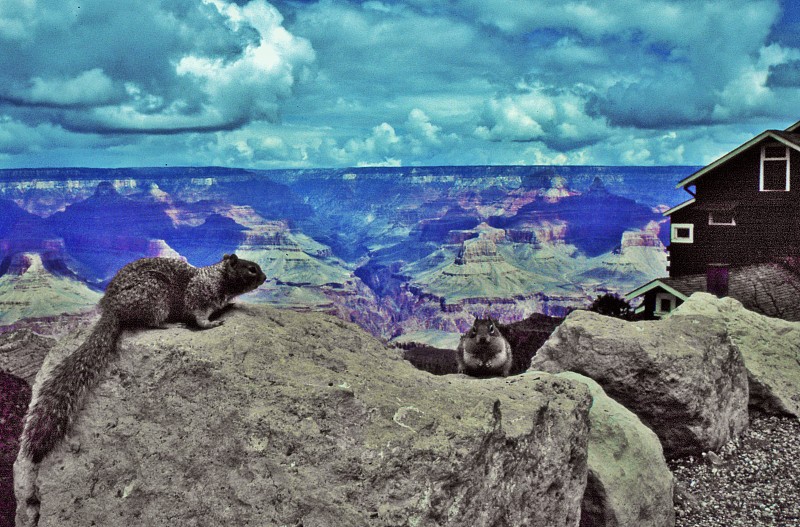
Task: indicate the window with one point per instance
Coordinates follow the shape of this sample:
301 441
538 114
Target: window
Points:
774 168
682 233
721 218
665 303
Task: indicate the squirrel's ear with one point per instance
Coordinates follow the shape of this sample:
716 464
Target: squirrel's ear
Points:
232 258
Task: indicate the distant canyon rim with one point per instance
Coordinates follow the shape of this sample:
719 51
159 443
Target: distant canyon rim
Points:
411 254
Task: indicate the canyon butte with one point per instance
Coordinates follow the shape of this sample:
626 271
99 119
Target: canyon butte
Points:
410 254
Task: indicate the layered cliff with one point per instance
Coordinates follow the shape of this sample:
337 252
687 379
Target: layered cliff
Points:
376 245
28 289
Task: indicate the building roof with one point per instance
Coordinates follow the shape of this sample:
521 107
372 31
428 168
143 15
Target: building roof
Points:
658 283
679 206
793 127
772 289
787 137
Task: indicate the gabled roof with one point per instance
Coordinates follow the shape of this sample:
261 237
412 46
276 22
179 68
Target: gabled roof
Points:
793 127
658 283
772 289
678 207
787 137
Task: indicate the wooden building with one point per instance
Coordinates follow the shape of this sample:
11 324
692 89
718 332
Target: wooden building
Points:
742 218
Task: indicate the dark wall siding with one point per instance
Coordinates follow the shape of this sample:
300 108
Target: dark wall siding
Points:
650 301
767 223
738 179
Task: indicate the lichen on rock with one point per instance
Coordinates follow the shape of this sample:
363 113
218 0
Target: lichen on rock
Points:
770 347
683 376
629 481
283 418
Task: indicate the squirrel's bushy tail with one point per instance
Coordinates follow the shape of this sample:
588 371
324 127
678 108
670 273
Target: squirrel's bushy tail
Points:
55 404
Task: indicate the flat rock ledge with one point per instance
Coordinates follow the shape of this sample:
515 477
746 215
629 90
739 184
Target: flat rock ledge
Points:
281 418
683 376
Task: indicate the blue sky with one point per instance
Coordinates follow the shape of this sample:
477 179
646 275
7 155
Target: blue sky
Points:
437 82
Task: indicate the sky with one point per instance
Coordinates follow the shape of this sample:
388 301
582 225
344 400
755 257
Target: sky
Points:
332 83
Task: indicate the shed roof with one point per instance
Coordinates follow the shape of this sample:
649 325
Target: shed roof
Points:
772 289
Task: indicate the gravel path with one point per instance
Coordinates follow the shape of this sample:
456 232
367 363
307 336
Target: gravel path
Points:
753 482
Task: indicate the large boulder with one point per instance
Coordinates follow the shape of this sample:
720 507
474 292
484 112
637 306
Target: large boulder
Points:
282 418
682 376
770 347
629 481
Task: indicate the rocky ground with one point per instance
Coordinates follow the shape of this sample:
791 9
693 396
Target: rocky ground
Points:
14 397
754 481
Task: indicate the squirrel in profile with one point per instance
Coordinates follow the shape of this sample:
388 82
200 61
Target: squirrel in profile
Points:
147 293
483 351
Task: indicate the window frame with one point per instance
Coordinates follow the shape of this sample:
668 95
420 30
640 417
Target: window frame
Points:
673 234
711 221
664 296
764 158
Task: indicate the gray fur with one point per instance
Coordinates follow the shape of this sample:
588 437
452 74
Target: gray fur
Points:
147 293
483 351
150 292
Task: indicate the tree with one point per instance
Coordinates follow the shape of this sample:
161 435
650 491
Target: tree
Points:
612 305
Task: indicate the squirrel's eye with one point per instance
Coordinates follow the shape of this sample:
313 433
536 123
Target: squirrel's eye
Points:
491 329
474 332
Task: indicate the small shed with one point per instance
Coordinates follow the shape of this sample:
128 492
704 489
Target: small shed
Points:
772 289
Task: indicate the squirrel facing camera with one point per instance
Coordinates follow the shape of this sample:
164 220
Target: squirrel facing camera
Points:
483 351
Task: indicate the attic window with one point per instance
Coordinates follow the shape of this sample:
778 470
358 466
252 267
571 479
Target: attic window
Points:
682 233
774 168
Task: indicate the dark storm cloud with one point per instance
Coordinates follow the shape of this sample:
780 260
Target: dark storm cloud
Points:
786 75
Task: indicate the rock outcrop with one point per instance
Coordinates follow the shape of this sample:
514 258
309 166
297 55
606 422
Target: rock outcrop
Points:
28 289
15 394
683 376
22 352
282 418
770 347
629 481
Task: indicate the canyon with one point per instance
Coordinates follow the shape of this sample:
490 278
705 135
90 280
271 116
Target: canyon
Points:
410 254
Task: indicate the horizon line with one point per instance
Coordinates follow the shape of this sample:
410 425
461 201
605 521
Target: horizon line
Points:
331 168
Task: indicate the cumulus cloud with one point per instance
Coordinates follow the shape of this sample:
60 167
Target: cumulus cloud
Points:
86 89
651 63
557 118
156 67
565 77
249 87
378 148
687 62
420 124
417 140
346 82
